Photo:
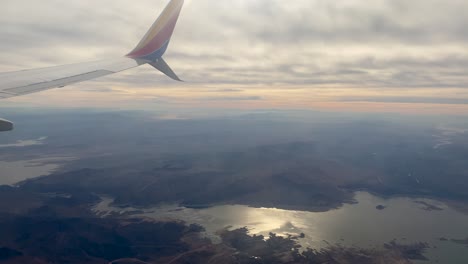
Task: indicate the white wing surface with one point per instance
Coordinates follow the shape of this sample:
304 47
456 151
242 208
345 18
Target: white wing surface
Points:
31 81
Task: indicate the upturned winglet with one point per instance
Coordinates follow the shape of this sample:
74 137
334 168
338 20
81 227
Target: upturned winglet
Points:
155 42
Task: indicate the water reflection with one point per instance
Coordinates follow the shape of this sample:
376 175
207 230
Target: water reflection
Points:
25 143
12 172
404 219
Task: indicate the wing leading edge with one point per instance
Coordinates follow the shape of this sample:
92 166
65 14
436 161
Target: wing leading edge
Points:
32 81
148 51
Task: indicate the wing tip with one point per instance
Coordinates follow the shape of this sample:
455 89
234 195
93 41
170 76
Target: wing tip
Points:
163 67
156 40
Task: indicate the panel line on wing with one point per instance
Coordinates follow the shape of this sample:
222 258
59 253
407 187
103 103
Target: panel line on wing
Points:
57 83
6 95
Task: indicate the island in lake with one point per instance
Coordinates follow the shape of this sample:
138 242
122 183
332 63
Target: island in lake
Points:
68 232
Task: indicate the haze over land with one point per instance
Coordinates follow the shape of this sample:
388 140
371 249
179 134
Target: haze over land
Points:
254 159
294 160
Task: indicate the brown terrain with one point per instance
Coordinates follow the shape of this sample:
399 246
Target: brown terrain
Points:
46 228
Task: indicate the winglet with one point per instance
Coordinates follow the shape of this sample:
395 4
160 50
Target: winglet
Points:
154 44
163 67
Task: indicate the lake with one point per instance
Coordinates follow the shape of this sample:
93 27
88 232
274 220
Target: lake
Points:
405 220
12 172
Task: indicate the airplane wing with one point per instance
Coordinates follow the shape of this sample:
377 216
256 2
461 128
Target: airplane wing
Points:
31 81
148 51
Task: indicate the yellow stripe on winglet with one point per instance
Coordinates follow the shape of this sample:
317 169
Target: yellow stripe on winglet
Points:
159 24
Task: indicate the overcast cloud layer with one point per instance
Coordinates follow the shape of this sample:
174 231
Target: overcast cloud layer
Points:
345 43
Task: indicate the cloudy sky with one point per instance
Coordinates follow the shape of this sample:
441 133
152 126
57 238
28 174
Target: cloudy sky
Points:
252 53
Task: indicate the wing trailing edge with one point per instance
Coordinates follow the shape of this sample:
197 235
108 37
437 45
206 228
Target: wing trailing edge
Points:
163 67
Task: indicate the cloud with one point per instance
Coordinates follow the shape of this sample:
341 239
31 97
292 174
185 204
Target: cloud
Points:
229 90
346 43
233 98
412 100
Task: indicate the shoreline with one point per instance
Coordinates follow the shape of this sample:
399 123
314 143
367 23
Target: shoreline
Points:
459 206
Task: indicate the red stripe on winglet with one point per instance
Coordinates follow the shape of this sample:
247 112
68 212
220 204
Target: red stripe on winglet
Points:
159 40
